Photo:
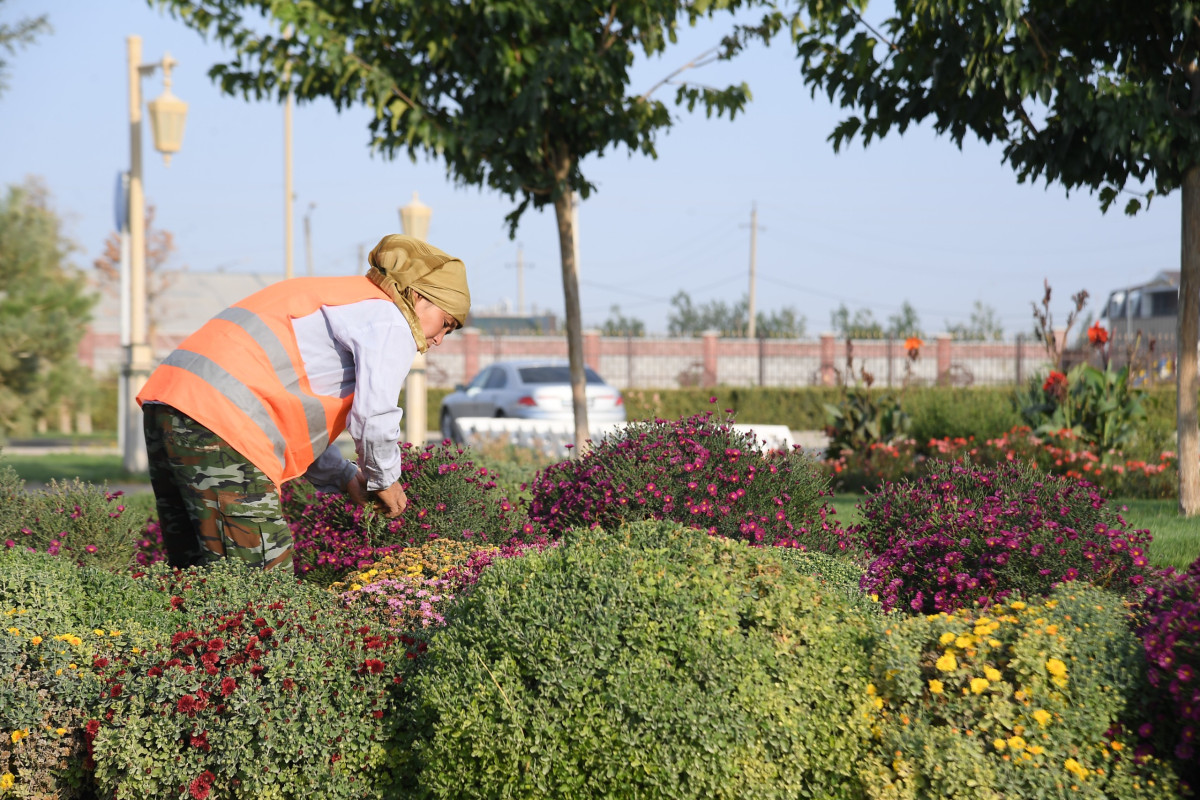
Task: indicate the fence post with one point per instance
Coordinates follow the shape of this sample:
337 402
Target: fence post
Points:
890 341
470 353
943 358
762 355
591 349
1020 357
828 353
709 349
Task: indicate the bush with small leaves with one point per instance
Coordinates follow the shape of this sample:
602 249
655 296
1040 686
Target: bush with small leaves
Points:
652 661
965 534
696 471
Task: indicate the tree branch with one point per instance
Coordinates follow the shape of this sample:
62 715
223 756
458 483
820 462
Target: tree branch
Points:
608 38
1037 41
891 45
698 61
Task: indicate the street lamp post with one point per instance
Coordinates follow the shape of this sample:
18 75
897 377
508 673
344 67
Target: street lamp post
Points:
414 221
167 115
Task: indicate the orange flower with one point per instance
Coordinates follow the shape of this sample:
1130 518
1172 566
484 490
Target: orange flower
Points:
1055 382
913 343
1097 335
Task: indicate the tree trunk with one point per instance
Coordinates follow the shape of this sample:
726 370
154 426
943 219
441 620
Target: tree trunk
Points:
1187 340
566 244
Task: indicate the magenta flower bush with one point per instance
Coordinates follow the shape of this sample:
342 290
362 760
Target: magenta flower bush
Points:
965 534
1170 632
448 497
697 471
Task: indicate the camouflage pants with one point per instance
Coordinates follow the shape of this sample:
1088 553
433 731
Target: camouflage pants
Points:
211 501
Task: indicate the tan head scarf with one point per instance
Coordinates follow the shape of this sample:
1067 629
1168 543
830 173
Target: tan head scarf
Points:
401 265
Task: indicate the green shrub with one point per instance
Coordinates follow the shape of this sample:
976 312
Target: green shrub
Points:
259 686
56 618
939 413
1021 700
653 661
697 471
841 573
83 522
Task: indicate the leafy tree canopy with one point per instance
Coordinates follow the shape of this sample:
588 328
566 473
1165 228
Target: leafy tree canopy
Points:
983 326
14 36
862 325
510 95
618 324
44 309
730 319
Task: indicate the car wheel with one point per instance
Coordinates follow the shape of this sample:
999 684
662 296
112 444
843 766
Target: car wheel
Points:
448 427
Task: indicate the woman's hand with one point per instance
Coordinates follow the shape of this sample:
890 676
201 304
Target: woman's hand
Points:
392 500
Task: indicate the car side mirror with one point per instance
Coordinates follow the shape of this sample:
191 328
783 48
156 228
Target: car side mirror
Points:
458 387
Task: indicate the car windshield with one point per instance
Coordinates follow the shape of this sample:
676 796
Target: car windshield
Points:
554 374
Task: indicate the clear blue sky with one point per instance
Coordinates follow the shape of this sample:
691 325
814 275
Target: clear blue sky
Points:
910 217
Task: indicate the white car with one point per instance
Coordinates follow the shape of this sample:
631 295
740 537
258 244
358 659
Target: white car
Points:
529 389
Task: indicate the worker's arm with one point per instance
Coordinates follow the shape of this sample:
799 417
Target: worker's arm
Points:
381 344
331 472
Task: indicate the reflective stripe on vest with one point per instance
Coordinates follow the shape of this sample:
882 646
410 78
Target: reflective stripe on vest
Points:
242 376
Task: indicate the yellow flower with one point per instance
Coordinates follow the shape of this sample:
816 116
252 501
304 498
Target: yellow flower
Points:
1037 749
1074 767
6 781
36 640
994 642
947 638
18 735
1051 629
1042 716
114 633
1056 667
999 744
1017 605
1117 746
992 674
98 631
15 631
978 685
1060 681
871 689
964 642
935 686
878 702
1016 743
61 731
1050 603
947 663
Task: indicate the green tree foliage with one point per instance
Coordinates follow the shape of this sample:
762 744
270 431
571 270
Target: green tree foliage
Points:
905 322
509 96
983 326
1102 96
618 324
44 309
14 36
730 319
862 325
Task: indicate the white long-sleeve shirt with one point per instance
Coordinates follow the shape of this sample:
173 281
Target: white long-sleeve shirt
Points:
365 348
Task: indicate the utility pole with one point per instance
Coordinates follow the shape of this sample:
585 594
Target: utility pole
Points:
520 265
308 238
288 196
754 229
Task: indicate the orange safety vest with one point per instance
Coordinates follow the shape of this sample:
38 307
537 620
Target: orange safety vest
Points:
242 377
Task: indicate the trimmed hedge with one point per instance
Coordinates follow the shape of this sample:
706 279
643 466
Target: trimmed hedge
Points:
654 662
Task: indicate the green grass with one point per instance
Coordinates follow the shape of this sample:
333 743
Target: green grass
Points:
1176 539
89 467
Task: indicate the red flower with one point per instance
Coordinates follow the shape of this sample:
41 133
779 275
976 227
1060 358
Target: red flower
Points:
1056 382
227 686
201 785
913 343
372 665
186 705
1097 335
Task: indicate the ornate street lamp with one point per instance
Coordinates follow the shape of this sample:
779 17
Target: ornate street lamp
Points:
167 115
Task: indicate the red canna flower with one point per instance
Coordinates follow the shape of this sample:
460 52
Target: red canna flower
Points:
1097 335
913 343
1056 383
